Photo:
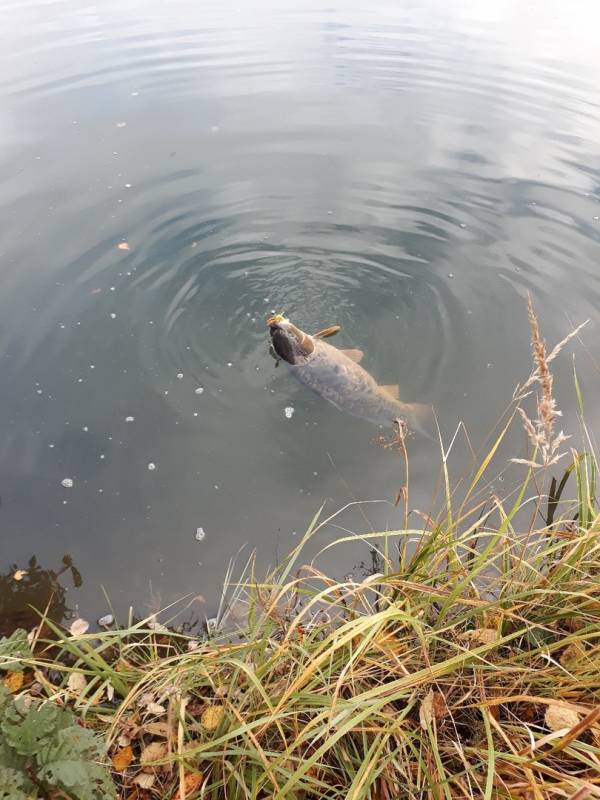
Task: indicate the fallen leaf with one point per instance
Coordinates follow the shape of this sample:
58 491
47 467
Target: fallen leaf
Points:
123 246
191 782
157 729
481 635
426 710
19 574
13 681
144 780
211 718
124 740
156 708
153 753
574 652
76 683
110 692
122 759
79 627
560 717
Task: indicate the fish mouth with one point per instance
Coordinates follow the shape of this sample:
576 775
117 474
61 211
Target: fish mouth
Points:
274 323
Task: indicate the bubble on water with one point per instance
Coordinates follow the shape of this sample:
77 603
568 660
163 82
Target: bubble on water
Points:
289 411
38 391
120 124
229 364
113 316
180 376
85 428
463 224
199 390
195 413
92 366
200 534
151 466
216 486
596 218
128 186
102 456
489 365
450 274
62 325
79 380
67 483
51 446
129 419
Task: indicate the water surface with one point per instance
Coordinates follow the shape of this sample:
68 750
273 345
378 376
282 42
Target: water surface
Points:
407 170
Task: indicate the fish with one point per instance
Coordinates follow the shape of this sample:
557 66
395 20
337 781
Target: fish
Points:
338 377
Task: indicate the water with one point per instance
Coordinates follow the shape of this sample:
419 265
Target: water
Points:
170 174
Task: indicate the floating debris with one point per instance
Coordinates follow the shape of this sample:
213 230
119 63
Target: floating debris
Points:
67 483
129 419
151 466
199 390
106 620
200 534
120 125
113 316
289 411
123 246
79 627
180 376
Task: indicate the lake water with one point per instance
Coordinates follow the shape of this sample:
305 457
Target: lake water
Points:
407 170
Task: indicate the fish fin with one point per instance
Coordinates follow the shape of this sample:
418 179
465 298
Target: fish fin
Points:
326 332
353 355
392 389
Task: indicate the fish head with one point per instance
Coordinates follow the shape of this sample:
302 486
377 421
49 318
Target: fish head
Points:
289 342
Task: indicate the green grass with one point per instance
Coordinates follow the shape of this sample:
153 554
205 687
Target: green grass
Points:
468 667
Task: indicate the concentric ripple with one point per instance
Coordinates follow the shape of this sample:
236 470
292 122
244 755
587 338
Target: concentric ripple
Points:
171 174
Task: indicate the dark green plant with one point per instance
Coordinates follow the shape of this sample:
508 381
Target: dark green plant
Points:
46 753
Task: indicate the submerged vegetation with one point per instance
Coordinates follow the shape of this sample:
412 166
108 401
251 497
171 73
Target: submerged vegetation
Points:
468 666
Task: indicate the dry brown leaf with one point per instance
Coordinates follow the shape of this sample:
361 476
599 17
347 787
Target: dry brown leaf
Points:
211 717
560 717
13 681
156 708
426 710
76 683
153 753
19 574
144 780
79 627
574 652
191 782
123 246
157 729
481 636
122 759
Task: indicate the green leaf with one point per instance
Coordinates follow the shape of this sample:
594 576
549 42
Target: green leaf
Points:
26 728
14 785
13 649
71 762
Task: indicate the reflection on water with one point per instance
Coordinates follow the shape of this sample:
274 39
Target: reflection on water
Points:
22 591
171 174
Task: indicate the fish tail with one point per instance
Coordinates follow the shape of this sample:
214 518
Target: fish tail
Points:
420 418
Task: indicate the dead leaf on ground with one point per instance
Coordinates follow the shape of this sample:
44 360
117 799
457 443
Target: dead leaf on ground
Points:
433 706
574 652
79 627
480 636
192 782
144 780
122 759
13 681
153 753
123 246
559 717
158 729
76 683
19 574
211 718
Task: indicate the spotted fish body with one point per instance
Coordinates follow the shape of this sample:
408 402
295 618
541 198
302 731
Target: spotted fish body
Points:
336 376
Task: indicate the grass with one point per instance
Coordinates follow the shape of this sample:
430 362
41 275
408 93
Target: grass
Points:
469 666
